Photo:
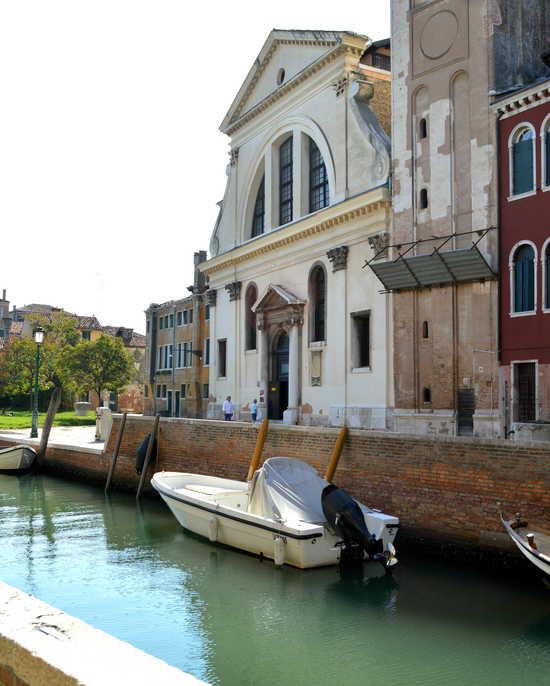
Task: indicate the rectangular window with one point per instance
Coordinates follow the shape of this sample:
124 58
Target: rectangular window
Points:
188 354
145 392
171 321
178 356
170 352
185 318
179 318
522 152
222 357
183 387
360 352
206 361
159 358
85 335
190 316
205 391
285 182
207 312
161 323
525 392
159 391
164 390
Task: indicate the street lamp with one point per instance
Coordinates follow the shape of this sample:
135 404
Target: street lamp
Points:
38 335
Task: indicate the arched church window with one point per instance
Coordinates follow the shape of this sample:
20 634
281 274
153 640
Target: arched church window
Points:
522 161
524 279
250 317
317 294
546 152
285 182
259 211
318 179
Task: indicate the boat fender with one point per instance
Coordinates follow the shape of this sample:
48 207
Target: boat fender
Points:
279 551
213 529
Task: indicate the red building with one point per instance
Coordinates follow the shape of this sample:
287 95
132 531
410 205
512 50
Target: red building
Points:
524 169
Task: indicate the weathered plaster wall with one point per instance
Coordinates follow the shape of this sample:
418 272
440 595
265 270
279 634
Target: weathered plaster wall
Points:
441 74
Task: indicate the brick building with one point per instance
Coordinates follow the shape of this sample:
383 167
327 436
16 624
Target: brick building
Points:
524 170
177 353
448 58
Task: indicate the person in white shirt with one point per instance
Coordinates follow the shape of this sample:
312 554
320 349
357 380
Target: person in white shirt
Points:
227 408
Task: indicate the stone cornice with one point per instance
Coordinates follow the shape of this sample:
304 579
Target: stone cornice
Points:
367 203
523 100
239 119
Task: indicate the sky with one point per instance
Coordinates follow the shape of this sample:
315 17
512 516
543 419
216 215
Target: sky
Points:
111 161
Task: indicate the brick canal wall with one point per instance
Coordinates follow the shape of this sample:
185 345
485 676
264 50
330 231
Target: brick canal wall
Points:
444 490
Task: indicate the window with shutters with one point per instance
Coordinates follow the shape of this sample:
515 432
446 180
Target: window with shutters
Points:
523 279
545 144
522 160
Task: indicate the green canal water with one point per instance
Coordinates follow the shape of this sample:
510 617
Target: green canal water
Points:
230 619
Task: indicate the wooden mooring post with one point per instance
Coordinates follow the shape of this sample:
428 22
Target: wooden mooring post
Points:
115 452
148 456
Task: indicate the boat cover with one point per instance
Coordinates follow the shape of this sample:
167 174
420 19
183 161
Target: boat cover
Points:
287 490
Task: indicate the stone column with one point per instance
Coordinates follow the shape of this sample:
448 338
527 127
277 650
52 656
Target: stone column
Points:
291 415
263 364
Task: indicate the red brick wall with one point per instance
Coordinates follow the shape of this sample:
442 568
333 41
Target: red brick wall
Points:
444 490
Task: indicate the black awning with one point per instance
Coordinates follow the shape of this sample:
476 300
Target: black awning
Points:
439 267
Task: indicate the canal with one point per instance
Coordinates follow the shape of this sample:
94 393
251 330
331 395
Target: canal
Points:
231 620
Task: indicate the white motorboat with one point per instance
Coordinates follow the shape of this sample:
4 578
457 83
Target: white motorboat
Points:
16 459
534 545
287 513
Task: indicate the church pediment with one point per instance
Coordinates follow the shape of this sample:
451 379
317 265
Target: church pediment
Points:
276 297
285 54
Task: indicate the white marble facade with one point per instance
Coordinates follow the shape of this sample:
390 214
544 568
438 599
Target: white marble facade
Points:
295 320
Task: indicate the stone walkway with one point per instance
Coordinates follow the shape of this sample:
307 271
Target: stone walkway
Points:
78 436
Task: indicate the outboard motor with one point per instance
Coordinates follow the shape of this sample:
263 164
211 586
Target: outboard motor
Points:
345 517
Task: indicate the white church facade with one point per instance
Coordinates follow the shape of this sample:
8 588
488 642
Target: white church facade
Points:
296 321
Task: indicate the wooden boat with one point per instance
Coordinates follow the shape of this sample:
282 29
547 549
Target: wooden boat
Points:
17 459
286 513
533 545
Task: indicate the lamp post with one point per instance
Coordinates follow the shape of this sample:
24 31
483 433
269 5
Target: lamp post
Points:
38 335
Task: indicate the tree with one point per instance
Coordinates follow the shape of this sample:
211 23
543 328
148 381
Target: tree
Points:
100 365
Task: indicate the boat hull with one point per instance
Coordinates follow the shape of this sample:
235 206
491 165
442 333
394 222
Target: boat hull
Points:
535 557
16 460
304 546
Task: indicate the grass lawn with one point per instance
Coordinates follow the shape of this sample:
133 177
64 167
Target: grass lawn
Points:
23 420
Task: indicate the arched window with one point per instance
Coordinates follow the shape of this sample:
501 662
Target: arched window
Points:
259 211
522 161
545 139
524 279
546 266
423 198
317 294
318 179
285 182
250 317
422 129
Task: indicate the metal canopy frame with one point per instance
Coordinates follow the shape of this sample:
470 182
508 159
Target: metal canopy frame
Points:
439 267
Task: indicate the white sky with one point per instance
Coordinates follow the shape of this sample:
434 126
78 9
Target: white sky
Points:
111 162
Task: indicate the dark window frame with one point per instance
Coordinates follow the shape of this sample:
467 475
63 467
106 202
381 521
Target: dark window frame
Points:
286 177
361 350
318 303
318 179
258 216
222 358
250 317
522 160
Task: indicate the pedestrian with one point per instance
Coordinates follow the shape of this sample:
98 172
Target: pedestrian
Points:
254 410
227 409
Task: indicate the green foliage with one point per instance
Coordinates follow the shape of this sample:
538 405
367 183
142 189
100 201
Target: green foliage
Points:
101 365
23 420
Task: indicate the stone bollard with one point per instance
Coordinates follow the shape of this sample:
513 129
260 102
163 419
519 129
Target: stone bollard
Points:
104 423
82 408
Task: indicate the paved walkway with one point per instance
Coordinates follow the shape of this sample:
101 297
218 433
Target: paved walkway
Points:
78 436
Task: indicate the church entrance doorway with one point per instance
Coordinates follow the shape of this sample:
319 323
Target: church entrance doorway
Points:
278 386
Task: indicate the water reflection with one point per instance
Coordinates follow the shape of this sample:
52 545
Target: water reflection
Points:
231 619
